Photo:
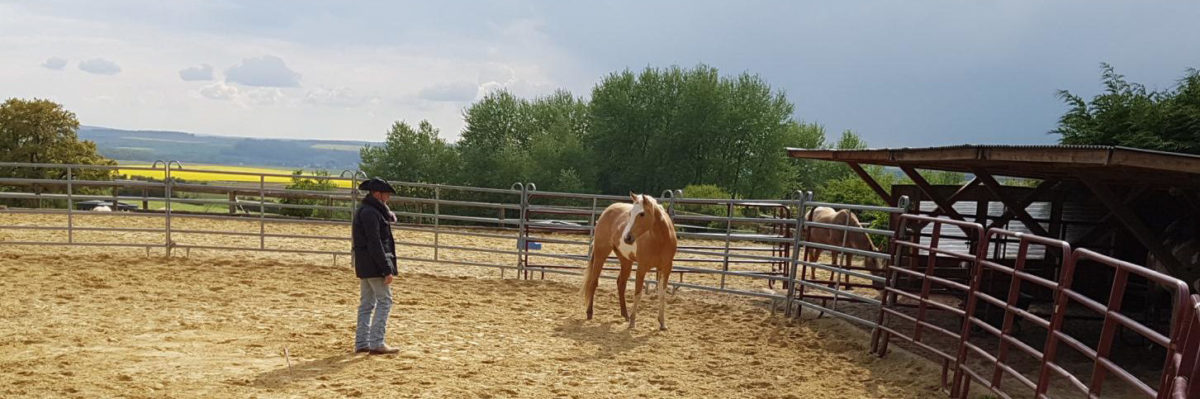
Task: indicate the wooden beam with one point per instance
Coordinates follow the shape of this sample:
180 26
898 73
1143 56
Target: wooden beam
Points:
866 177
1097 229
957 193
1016 208
946 206
1135 225
927 189
953 198
1193 202
1023 203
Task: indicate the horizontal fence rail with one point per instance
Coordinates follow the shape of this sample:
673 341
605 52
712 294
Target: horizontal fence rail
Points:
771 250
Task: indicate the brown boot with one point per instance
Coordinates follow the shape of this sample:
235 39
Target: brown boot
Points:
362 350
384 350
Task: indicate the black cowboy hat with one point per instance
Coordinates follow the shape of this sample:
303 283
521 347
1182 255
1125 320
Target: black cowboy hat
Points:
376 184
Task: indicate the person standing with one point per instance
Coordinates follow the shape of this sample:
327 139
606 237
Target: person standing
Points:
375 266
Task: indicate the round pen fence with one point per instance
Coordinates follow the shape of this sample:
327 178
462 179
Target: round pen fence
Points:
765 249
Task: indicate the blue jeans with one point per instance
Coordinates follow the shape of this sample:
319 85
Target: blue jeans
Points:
376 297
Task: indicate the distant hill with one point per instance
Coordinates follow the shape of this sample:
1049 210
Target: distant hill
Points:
148 145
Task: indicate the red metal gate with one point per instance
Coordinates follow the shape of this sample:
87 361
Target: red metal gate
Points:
978 346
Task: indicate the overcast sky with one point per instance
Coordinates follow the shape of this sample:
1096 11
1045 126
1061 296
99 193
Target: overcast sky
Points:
902 73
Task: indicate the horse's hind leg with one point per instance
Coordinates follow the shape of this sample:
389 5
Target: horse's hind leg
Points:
637 292
622 281
663 276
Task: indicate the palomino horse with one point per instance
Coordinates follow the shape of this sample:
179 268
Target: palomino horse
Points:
640 232
840 238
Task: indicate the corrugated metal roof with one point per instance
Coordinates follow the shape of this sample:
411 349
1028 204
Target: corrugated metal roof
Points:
1108 163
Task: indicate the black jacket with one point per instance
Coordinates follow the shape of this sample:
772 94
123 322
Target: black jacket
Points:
373 244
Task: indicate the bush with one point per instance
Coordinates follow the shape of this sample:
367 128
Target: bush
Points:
307 184
707 191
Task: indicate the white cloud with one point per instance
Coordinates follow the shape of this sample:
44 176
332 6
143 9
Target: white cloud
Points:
450 92
54 63
201 72
265 71
219 91
99 66
264 96
336 97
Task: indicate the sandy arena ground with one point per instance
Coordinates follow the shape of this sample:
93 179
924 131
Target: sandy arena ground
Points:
86 322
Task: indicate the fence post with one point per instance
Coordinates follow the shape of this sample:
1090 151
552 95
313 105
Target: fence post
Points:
898 233
797 239
167 205
728 236
70 208
262 211
437 220
521 229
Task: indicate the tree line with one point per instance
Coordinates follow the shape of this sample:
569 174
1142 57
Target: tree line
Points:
650 131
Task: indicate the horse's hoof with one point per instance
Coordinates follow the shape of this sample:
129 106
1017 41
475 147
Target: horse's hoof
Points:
662 328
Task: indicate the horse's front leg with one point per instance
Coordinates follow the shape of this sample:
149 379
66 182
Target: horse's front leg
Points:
622 281
592 280
637 292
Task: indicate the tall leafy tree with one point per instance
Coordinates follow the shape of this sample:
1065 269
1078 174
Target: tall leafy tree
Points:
508 139
666 128
42 131
415 155
1128 114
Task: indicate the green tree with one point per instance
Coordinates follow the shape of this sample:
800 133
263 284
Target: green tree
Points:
807 174
412 155
509 139
308 184
666 128
42 131
814 174
1127 114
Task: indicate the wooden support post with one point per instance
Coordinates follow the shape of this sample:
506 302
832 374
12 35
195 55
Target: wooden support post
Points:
866 178
952 199
946 207
1022 203
1016 208
1096 230
232 202
1132 222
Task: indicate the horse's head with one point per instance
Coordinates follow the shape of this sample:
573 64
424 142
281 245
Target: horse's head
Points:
642 217
861 240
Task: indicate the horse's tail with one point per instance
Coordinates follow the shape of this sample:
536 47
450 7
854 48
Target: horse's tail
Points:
588 278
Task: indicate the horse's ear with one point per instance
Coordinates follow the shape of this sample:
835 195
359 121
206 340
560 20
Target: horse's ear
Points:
633 197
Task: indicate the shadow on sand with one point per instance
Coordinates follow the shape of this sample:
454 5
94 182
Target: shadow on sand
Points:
611 338
305 370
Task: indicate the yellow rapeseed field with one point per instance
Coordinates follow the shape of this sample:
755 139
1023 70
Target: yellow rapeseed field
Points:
213 173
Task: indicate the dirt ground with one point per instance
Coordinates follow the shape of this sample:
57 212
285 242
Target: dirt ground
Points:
88 322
